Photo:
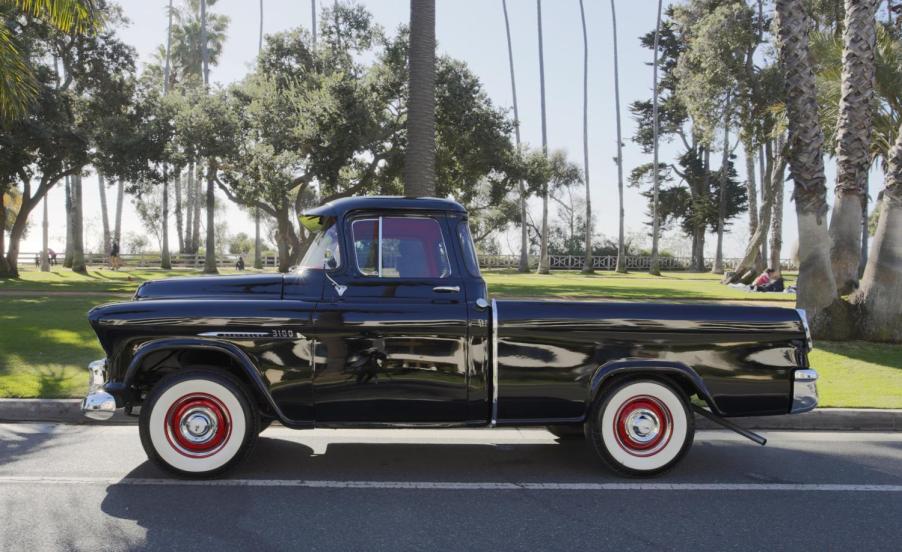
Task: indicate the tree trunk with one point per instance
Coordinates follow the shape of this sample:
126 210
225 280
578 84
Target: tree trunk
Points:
654 267
45 238
724 178
587 258
198 184
880 296
752 190
189 208
764 174
4 267
621 237
524 232
544 267
816 286
78 227
104 213
120 197
179 220
419 161
67 258
749 266
258 255
210 257
15 238
853 141
313 19
776 232
865 230
165 261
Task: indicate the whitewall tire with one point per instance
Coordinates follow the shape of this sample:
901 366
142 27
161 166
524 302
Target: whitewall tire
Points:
198 423
641 427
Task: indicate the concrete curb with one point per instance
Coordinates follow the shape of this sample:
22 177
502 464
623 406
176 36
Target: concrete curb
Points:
68 411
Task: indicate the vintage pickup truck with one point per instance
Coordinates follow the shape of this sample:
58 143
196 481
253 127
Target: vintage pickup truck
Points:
387 322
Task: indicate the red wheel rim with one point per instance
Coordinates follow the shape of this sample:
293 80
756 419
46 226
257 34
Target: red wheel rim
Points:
643 425
198 425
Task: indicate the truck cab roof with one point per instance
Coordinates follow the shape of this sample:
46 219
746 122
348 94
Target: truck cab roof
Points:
341 206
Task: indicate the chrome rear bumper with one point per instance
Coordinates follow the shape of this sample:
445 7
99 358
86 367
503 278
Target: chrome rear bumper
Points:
98 404
804 391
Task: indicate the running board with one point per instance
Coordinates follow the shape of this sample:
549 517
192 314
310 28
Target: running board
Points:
730 425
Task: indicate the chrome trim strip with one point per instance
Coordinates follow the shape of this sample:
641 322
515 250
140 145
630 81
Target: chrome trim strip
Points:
236 335
494 419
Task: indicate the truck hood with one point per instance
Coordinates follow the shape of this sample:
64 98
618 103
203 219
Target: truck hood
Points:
256 286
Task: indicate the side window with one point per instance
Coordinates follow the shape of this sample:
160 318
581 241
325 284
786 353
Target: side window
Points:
400 247
325 240
466 243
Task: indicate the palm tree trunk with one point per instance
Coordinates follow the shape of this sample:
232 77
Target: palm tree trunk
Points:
817 288
179 228
198 184
621 237
165 260
764 187
724 179
587 259
313 20
210 246
4 267
865 235
654 267
419 161
544 267
524 232
258 255
78 242
752 188
67 258
880 295
104 212
45 238
853 141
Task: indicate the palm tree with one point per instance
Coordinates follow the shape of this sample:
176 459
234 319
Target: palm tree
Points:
419 161
587 259
78 227
817 288
524 232
654 267
258 259
165 261
104 212
543 242
18 86
853 141
621 261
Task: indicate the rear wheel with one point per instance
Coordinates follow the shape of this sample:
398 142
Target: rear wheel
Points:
641 427
198 423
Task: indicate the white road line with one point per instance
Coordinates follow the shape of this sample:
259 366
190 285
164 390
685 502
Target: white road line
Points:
451 485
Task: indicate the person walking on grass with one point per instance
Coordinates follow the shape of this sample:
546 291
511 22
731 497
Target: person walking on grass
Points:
115 261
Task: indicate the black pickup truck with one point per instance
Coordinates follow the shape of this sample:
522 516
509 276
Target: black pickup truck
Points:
387 322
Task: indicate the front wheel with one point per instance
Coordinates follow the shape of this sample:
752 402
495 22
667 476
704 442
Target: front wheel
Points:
198 423
641 427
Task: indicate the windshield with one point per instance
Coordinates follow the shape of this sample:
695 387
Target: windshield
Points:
325 240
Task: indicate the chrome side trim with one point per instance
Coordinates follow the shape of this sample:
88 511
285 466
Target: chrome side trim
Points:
236 335
494 419
804 391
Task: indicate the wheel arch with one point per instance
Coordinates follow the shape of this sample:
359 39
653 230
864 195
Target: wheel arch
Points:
242 366
677 372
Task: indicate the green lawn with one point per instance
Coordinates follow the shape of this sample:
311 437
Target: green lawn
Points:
45 340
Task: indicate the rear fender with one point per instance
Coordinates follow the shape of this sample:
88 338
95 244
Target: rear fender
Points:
632 367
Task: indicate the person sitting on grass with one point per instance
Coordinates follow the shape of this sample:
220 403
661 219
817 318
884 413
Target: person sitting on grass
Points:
769 281
764 278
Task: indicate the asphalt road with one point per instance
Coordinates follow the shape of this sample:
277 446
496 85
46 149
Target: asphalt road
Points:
91 488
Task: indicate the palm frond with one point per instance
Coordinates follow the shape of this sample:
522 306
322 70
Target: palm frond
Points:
18 86
76 16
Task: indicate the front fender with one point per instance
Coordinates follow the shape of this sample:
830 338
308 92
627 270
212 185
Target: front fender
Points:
642 366
230 349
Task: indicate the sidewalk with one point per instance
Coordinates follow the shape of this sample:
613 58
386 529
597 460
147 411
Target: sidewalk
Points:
67 411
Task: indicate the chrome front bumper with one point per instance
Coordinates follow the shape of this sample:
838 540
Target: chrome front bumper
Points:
804 391
98 404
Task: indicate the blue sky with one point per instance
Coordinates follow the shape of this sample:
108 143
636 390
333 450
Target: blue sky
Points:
473 30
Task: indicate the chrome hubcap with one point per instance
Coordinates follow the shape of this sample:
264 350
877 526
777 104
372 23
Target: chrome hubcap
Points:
643 425
198 425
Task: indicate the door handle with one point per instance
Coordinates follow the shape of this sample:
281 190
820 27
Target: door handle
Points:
446 289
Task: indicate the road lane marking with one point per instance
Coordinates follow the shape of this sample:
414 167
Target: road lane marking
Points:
449 485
